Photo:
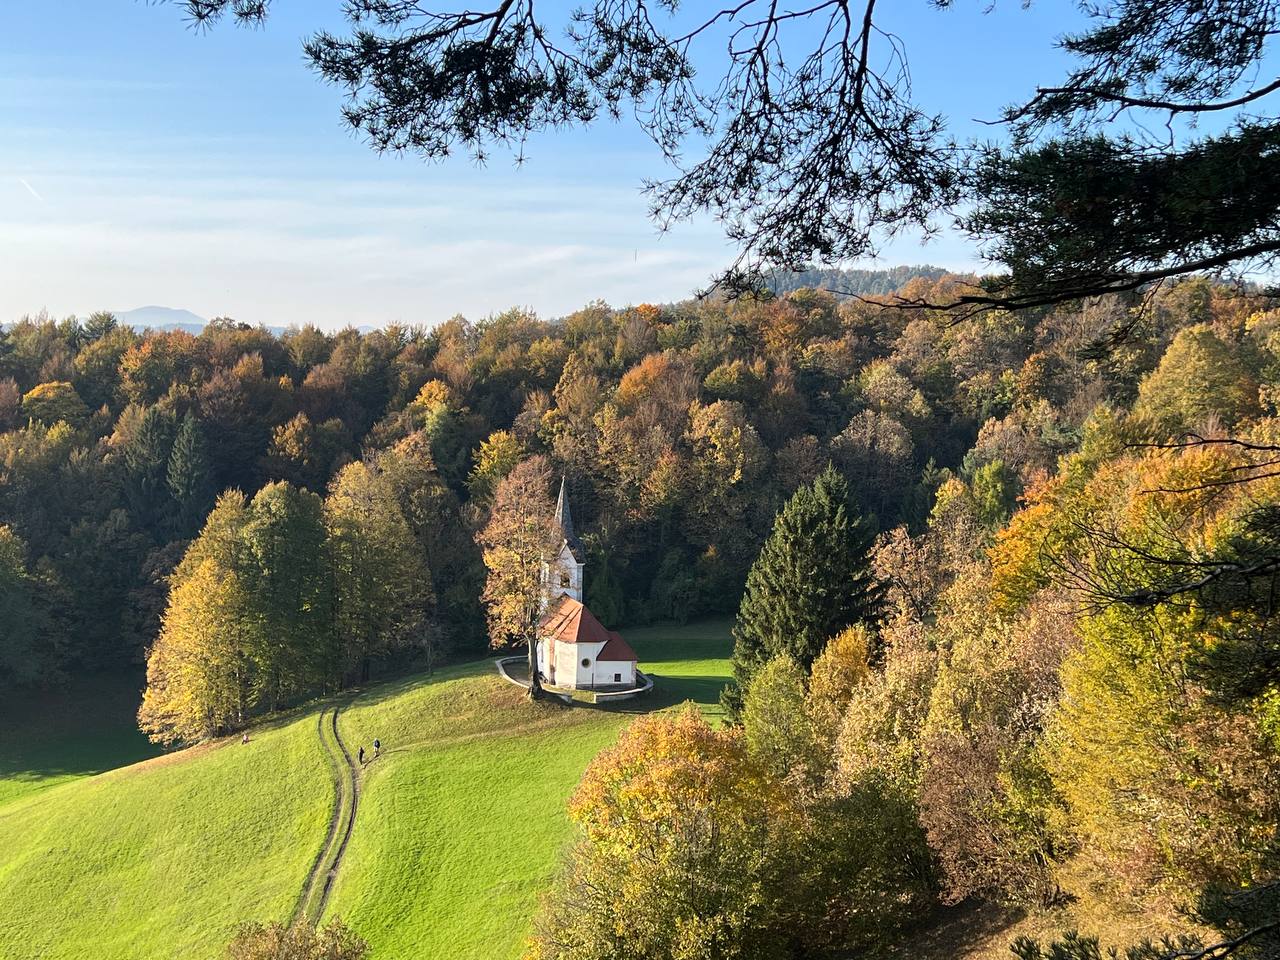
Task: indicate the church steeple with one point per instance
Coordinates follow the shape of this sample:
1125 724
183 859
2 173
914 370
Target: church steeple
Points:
563 516
565 519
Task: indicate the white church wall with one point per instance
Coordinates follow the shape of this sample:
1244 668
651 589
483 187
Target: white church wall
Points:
606 673
585 662
568 662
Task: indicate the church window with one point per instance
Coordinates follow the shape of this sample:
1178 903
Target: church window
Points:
564 580
617 678
586 663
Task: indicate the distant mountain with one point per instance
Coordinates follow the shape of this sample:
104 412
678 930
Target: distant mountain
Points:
171 318
866 282
165 318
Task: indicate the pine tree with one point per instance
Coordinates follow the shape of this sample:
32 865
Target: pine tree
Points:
811 580
189 477
146 458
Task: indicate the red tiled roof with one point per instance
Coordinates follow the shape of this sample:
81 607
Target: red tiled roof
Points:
568 621
617 649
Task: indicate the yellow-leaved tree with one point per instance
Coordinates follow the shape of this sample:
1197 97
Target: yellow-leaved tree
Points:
698 842
1171 785
198 672
520 537
682 855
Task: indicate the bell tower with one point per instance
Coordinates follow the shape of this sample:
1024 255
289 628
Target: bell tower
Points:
565 575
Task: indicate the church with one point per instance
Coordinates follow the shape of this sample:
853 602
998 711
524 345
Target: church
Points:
575 650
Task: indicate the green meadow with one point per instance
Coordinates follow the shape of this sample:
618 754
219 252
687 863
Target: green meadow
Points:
459 827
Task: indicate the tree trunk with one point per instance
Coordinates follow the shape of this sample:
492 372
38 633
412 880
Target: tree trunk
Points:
535 681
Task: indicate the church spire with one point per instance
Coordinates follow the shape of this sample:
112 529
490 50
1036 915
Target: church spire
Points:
563 516
565 519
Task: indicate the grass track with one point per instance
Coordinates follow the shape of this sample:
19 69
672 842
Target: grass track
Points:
346 793
164 858
461 821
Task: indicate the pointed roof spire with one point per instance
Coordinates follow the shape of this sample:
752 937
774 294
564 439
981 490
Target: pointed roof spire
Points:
565 518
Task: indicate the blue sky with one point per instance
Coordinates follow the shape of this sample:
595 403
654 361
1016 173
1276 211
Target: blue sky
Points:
144 163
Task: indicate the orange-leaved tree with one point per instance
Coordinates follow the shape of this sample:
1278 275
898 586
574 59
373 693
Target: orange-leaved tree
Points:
520 537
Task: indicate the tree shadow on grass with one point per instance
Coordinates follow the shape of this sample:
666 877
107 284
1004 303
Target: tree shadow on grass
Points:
966 929
670 691
381 690
84 728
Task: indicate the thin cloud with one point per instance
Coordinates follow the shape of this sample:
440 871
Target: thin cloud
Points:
31 190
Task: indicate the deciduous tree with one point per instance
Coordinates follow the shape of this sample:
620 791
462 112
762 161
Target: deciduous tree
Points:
50 402
520 539
382 589
198 672
291 599
301 941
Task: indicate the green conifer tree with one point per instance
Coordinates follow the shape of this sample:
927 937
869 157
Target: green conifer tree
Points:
811 580
146 458
189 477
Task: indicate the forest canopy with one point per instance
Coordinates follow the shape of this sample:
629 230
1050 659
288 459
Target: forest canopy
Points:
1043 668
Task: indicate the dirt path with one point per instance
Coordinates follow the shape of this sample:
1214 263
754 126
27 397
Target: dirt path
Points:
346 800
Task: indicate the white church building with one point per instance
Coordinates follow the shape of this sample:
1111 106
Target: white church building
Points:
575 650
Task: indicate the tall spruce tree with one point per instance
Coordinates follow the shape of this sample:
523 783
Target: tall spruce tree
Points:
811 580
189 477
146 458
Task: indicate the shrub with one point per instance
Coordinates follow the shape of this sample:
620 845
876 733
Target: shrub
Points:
275 941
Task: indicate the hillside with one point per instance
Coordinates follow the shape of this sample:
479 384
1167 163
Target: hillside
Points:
844 282
435 865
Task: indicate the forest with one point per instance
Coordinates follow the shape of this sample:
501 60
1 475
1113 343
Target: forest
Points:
1002 586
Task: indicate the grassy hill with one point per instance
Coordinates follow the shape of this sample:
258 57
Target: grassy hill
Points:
460 821
161 858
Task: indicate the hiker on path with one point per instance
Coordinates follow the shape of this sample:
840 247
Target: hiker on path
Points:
362 756
377 748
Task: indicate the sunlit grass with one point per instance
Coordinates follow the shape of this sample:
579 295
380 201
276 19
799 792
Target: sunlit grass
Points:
461 821
164 858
